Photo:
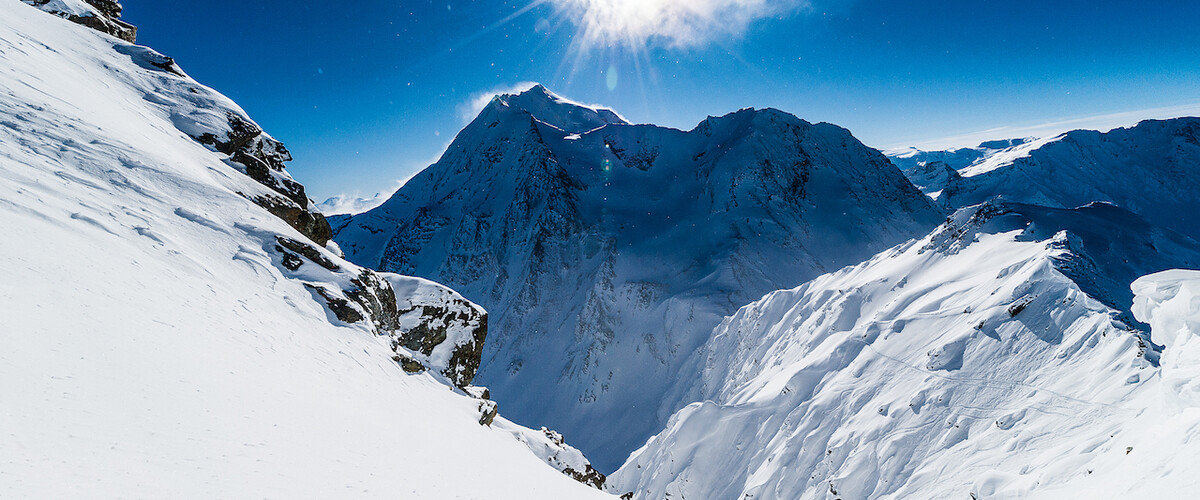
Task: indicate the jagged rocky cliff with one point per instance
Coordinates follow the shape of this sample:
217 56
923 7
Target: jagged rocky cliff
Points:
606 251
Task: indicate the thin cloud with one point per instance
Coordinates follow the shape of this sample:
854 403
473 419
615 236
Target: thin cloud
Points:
674 23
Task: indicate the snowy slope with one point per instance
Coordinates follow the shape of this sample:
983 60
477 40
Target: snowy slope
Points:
927 169
966 364
607 252
1152 169
159 340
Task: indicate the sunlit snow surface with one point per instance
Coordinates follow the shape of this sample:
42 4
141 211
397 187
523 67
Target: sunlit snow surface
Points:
962 364
149 345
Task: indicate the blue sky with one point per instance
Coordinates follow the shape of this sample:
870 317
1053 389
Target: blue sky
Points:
366 93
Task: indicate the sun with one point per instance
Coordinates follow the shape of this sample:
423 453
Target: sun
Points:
635 23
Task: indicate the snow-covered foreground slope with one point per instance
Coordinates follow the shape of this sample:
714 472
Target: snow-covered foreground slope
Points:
164 335
607 252
966 364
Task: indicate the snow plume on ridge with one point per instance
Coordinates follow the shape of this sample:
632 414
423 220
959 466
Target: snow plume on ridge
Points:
676 23
468 110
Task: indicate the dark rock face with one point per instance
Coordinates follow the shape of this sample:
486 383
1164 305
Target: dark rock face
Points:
308 222
106 18
341 307
408 364
262 158
431 327
487 412
306 250
376 296
589 476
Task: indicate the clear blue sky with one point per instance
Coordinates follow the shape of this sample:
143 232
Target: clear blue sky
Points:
366 92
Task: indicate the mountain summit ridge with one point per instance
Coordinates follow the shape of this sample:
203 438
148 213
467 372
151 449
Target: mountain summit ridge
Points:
552 109
607 251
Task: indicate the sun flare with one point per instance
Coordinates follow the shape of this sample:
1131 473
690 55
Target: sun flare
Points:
677 23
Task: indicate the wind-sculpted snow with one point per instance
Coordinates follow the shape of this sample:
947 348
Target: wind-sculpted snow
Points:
164 336
962 365
1170 302
607 252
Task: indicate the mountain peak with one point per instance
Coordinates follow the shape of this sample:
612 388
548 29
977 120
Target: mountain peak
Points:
557 111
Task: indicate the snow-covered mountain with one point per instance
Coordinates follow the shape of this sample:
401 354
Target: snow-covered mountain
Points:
957 159
607 252
975 362
174 324
1149 169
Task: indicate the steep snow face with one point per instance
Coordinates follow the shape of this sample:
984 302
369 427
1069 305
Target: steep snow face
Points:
163 335
607 255
1162 443
1152 169
965 364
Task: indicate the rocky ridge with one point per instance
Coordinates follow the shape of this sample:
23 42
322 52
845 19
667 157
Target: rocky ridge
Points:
610 250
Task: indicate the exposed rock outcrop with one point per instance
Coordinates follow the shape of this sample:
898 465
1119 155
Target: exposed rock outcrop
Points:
431 327
444 330
262 158
101 15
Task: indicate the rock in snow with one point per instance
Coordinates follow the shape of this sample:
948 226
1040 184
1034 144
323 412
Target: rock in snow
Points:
607 252
101 15
166 335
